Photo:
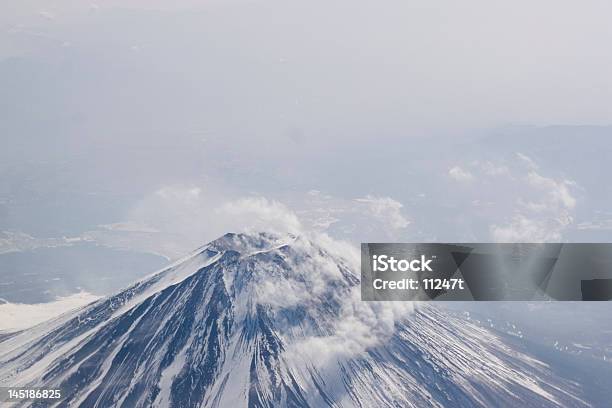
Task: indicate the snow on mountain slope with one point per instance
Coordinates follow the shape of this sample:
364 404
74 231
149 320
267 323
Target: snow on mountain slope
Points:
262 321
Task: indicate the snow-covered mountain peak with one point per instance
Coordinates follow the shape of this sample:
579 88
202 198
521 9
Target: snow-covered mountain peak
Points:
279 270
248 243
260 320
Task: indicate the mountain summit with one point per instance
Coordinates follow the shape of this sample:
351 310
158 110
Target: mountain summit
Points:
262 321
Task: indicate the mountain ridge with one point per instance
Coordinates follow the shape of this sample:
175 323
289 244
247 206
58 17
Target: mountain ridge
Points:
264 321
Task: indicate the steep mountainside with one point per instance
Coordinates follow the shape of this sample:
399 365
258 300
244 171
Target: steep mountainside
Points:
262 321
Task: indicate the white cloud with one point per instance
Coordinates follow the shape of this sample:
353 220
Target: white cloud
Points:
187 216
543 216
373 218
196 214
385 209
492 169
314 278
260 214
558 191
128 227
528 161
360 325
49 15
525 205
461 175
530 229
17 316
175 219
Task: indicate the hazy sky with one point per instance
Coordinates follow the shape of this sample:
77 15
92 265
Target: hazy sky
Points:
373 121
391 65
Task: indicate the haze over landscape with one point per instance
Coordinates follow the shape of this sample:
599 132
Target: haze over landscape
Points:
134 132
